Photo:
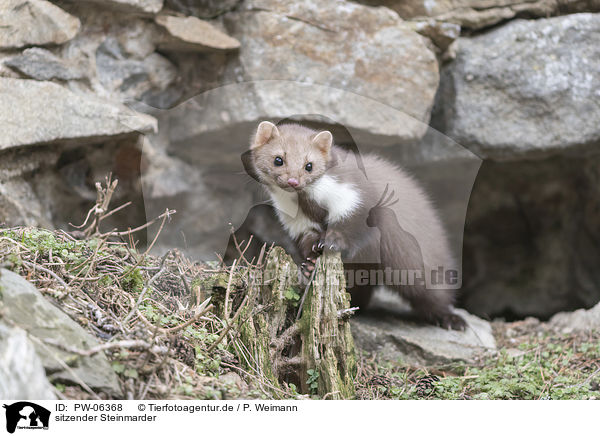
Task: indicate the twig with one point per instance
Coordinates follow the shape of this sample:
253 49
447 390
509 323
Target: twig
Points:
148 285
129 343
586 380
345 314
89 214
285 339
123 206
237 246
167 214
185 324
198 316
229 325
261 255
228 291
100 209
301 306
47 271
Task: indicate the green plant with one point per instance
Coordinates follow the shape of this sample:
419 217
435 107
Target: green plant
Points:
312 381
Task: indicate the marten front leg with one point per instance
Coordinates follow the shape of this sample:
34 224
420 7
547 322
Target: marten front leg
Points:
311 246
334 240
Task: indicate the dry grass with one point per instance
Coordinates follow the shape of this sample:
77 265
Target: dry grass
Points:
154 317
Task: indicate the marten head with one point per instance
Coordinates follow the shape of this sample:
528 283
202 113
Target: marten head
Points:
290 156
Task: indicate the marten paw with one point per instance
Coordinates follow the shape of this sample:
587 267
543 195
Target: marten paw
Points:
452 321
334 241
308 266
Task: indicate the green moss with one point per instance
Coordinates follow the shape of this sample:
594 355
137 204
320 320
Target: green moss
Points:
13 262
105 281
133 281
44 242
155 316
207 365
213 285
291 295
546 370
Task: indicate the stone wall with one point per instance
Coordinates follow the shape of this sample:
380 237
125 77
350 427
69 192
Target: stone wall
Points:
165 95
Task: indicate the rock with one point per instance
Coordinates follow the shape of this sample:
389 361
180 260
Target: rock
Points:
50 186
515 96
341 48
206 9
166 176
193 34
19 203
385 331
441 34
40 64
25 307
477 14
22 375
26 119
140 6
34 22
5 70
526 89
529 238
578 321
64 190
228 115
129 76
136 39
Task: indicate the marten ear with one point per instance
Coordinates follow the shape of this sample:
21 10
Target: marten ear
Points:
323 140
265 132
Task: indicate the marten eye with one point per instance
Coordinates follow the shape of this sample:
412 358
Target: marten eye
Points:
278 161
308 167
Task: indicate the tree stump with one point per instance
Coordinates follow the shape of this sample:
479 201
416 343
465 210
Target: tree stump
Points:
316 352
327 344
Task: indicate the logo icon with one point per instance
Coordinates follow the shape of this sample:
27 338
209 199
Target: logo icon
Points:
26 415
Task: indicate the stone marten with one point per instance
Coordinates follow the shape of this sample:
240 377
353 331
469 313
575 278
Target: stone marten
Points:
380 219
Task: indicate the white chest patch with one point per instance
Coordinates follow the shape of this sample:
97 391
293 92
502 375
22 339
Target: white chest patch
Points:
289 213
338 198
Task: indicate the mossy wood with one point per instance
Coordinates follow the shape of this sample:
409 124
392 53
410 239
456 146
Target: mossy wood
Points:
283 350
327 344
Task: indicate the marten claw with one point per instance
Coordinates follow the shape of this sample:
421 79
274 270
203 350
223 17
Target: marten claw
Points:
452 321
318 248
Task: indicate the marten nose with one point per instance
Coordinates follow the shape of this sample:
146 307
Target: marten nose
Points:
293 182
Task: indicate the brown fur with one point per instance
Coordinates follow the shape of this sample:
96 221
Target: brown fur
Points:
406 234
